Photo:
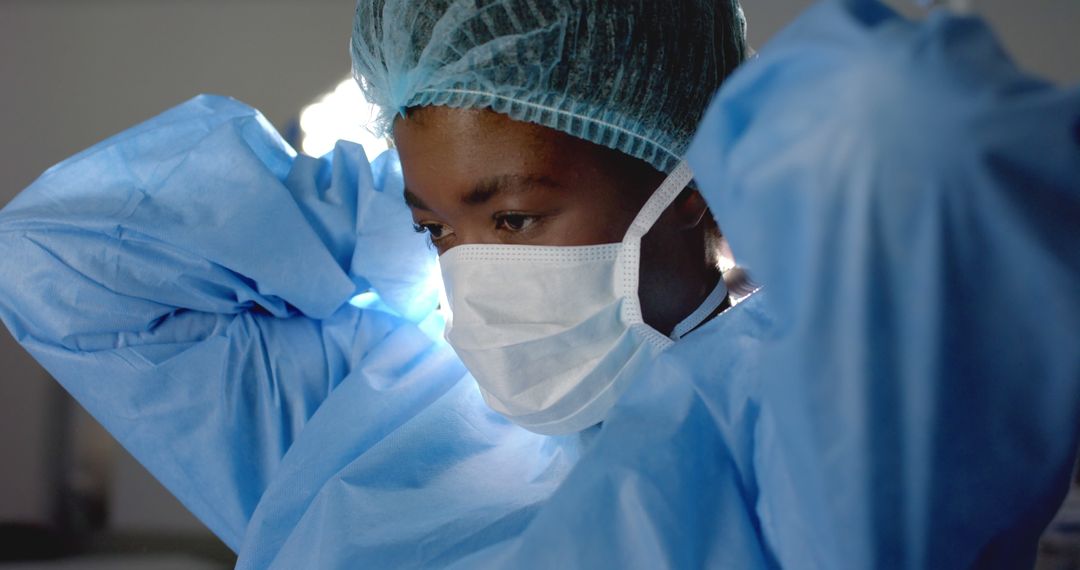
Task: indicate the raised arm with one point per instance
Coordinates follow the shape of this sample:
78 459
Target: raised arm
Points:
911 204
188 281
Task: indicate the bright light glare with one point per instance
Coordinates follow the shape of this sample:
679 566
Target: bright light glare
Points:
364 300
342 114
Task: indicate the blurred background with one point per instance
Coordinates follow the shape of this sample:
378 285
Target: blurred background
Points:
73 72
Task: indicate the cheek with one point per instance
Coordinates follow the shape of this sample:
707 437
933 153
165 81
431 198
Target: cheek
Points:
591 227
591 223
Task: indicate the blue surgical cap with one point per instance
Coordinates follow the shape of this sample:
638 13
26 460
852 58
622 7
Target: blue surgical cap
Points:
632 75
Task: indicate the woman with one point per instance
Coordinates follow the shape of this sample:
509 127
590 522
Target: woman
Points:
189 282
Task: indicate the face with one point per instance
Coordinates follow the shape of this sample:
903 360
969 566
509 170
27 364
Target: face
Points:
477 177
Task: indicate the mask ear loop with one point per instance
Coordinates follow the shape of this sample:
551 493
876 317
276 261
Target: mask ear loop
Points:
628 265
702 313
669 189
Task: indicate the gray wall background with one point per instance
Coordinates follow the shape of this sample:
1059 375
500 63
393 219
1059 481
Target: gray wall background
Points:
75 71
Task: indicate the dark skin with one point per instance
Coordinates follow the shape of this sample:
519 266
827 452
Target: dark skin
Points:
474 176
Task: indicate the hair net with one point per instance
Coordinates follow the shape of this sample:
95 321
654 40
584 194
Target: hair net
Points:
632 75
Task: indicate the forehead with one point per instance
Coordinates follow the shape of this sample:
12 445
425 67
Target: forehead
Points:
441 144
447 152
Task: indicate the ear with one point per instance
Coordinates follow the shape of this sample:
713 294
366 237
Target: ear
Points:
690 209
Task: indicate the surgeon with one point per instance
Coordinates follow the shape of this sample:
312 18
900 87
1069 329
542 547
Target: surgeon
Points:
264 331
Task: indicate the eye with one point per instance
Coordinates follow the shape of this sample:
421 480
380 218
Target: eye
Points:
436 231
513 222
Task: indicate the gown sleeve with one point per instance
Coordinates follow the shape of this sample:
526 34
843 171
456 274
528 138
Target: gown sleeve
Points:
910 202
189 282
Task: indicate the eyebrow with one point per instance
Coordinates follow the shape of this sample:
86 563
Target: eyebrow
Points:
414 201
487 189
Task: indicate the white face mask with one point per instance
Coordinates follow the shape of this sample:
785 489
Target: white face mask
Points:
553 333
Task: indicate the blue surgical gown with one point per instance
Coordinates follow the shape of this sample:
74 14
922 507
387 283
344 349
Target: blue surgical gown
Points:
260 329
